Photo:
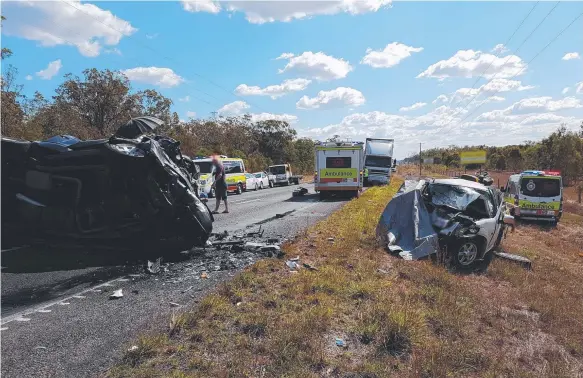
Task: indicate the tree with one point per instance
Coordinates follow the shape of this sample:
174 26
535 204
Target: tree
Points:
6 52
12 115
274 138
153 104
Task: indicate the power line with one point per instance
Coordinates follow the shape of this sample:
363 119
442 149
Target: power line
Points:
506 61
505 44
530 61
166 57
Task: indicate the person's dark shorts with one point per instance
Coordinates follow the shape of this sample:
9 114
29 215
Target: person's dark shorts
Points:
221 192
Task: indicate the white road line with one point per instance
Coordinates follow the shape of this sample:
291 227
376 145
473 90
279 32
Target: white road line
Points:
253 200
44 307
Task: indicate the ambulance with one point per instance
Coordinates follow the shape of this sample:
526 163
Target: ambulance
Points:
339 168
235 174
206 178
535 195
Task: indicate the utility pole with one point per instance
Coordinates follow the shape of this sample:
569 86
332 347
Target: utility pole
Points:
420 160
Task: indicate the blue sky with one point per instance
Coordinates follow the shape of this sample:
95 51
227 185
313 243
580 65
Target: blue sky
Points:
415 84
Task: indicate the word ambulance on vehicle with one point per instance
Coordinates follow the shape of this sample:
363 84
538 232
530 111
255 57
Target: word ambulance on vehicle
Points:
339 168
535 195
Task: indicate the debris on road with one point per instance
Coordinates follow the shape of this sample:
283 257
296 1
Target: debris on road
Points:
154 267
309 267
292 265
382 271
330 239
340 343
41 347
301 191
133 348
204 275
174 304
525 262
116 294
297 258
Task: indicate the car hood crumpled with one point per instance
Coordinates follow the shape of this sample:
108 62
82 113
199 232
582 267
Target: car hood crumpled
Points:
405 224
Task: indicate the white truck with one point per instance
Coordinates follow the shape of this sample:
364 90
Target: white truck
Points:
339 168
283 175
378 160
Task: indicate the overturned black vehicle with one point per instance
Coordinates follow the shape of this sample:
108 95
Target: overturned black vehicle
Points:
136 185
460 219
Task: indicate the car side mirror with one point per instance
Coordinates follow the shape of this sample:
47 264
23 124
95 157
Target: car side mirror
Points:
509 221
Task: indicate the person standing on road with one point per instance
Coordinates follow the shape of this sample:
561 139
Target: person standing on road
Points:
220 185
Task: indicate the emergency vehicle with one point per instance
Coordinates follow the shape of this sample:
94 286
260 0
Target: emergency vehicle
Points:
235 174
339 168
535 195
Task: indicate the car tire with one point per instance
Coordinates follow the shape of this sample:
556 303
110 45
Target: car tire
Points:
239 189
466 252
324 195
271 184
261 185
256 186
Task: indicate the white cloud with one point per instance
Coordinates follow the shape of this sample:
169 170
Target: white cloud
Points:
579 87
341 96
390 56
53 23
152 36
28 77
416 105
208 6
52 69
317 66
285 56
234 108
257 117
499 49
571 56
115 51
470 63
184 99
274 91
492 87
565 90
443 126
160 76
440 99
528 106
190 114
260 12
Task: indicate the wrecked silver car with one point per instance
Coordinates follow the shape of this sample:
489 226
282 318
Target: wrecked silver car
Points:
463 219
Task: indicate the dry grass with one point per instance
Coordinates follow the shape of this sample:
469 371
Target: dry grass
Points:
398 318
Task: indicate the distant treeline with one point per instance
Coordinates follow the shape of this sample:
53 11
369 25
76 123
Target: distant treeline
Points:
562 150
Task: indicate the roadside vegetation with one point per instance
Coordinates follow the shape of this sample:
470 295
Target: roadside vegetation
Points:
397 318
562 150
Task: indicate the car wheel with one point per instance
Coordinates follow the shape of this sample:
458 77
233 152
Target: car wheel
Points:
271 184
466 252
261 185
239 189
323 195
256 186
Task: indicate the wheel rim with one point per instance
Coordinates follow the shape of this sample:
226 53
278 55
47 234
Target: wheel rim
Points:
467 253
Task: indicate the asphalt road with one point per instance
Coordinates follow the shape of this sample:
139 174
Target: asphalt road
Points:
58 319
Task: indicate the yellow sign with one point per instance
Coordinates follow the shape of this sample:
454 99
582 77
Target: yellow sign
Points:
339 173
473 157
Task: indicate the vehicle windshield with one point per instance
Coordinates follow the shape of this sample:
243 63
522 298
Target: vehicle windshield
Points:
205 166
456 197
233 167
277 169
540 187
258 175
378 161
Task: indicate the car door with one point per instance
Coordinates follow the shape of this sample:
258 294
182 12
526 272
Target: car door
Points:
495 203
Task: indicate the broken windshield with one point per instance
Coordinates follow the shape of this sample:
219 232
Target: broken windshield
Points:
456 197
205 166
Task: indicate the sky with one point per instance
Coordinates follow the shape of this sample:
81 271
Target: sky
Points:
437 73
